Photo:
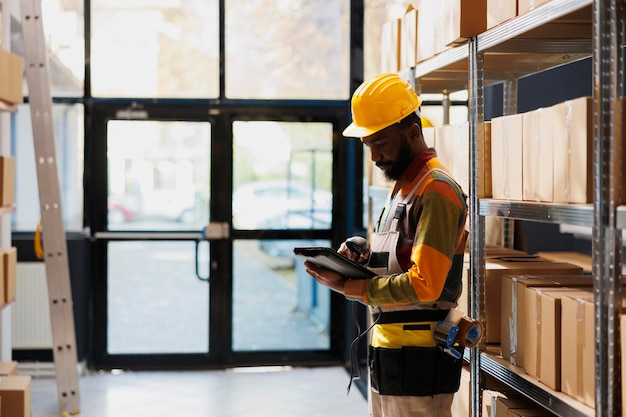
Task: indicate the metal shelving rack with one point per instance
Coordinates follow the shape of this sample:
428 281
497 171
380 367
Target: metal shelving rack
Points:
554 34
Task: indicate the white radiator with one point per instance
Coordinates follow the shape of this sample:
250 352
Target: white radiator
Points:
30 314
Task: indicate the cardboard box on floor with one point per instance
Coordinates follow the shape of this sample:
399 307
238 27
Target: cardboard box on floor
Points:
513 297
542 341
498 267
15 391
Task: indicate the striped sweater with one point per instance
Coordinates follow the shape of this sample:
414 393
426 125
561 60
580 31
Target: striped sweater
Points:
431 245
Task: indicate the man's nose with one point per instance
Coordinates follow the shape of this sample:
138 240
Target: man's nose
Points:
374 155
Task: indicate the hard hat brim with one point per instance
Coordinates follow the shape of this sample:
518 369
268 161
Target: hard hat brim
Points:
354 131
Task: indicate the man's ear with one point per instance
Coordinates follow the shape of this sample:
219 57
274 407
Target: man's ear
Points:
415 131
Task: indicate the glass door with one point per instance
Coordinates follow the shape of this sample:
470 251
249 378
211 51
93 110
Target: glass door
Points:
151 196
158 182
282 198
166 293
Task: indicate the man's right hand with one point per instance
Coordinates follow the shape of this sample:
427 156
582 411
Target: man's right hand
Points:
356 248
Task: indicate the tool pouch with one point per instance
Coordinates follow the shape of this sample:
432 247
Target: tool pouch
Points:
414 370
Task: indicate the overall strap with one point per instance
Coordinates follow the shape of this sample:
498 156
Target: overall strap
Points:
401 208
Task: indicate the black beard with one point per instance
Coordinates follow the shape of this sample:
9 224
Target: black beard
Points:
397 167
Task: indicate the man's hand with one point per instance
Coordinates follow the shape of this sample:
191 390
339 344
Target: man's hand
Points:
331 279
356 248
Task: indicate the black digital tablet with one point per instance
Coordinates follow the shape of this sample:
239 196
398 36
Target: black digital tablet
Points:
330 259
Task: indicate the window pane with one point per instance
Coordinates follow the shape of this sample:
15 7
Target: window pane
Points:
63 24
68 124
158 175
299 316
155 302
287 49
173 51
282 175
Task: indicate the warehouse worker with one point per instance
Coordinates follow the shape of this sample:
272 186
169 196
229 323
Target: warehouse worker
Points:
416 252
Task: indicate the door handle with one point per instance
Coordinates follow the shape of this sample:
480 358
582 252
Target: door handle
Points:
212 231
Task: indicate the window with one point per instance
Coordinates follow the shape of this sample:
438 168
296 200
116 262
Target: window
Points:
174 52
287 49
68 123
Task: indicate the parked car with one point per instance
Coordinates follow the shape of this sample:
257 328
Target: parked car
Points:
258 204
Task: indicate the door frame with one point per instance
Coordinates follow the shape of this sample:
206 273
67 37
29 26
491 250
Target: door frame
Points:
221 115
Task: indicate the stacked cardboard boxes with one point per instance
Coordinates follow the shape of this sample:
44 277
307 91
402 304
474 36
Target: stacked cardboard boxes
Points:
545 155
430 27
497 269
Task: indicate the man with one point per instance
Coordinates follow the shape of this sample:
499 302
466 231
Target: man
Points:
416 251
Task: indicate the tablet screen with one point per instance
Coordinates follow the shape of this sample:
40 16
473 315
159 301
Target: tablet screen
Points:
330 259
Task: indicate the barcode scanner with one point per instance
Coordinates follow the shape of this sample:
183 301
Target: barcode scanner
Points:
357 244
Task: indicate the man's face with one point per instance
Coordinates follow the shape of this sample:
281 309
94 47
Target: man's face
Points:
391 150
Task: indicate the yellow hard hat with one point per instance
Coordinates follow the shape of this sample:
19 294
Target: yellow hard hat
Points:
380 102
426 122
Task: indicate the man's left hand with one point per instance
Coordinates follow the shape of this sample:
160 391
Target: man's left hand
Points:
331 279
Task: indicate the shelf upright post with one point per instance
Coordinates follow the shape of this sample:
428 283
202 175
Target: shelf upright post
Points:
54 241
477 222
509 92
445 103
608 73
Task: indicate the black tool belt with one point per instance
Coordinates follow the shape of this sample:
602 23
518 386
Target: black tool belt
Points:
409 316
414 370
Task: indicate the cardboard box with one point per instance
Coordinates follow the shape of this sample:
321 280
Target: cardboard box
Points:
512 297
7 181
11 77
4 74
578 347
9 273
439 23
573 150
408 38
542 358
445 146
506 157
484 162
580 259
460 155
390 46
511 402
490 252
15 391
429 136
8 368
16 79
537 155
464 19
426 21
524 6
499 11
490 397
